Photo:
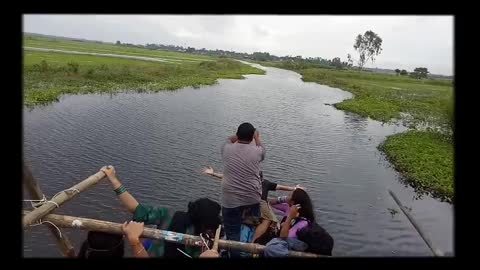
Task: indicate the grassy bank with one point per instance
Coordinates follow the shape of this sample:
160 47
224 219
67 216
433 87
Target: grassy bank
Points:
49 75
424 157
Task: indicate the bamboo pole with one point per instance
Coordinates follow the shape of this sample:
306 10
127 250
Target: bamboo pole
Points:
434 250
191 240
36 193
62 198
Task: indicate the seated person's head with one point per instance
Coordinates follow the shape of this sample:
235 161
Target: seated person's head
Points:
102 245
205 215
300 196
245 132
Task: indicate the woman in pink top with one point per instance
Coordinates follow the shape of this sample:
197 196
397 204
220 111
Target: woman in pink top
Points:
297 212
298 215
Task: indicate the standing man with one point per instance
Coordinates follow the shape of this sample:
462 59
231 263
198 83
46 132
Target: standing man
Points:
242 185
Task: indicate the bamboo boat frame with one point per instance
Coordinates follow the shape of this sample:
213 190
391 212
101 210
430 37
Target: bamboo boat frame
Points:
44 214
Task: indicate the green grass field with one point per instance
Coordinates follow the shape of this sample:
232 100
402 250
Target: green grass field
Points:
424 157
68 45
48 75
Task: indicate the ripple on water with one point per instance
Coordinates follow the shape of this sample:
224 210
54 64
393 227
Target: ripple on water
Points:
159 142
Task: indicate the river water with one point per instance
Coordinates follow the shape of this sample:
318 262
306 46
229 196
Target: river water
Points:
159 142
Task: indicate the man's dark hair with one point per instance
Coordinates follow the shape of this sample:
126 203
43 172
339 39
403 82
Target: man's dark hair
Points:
102 245
245 132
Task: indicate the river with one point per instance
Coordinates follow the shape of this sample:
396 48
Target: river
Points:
159 142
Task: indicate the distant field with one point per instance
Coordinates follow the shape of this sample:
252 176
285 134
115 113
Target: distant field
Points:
41 42
48 75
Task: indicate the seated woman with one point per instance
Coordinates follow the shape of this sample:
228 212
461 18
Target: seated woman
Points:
102 245
298 230
203 217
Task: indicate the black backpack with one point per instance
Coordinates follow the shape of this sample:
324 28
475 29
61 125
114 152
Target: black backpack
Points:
317 238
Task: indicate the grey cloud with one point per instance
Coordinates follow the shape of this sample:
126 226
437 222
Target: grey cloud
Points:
261 31
217 24
409 41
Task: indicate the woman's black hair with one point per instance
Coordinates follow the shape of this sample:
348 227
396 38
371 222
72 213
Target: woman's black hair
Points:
300 196
102 245
204 215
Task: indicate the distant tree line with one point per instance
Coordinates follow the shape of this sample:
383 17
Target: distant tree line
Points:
402 72
367 45
418 73
255 56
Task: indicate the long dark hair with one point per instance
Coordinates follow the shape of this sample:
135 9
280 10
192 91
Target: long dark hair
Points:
102 245
300 196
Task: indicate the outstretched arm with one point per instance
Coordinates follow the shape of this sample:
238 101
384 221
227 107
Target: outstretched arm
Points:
288 188
210 171
256 136
278 200
125 197
258 142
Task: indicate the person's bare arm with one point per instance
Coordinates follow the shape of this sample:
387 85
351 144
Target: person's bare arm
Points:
286 225
258 142
133 230
256 137
285 228
277 200
210 171
126 198
286 188
232 139
272 201
289 188
211 253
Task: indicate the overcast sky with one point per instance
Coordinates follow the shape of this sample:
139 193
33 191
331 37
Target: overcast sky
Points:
408 41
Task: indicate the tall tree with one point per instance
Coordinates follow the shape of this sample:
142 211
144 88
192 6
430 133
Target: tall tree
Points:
397 71
368 45
403 72
349 60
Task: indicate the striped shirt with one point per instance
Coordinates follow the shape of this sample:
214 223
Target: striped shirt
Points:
241 183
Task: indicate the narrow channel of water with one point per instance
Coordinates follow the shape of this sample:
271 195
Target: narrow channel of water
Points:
159 143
